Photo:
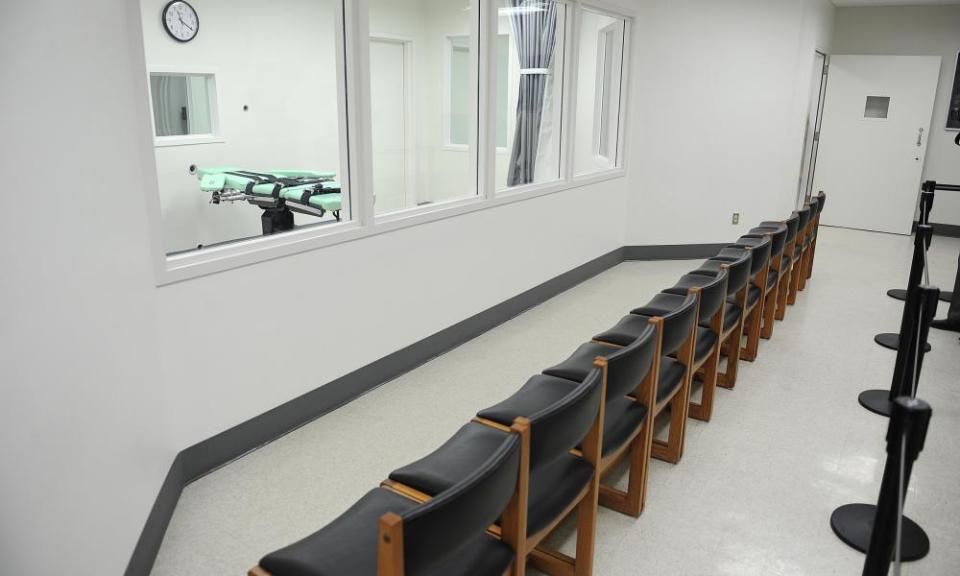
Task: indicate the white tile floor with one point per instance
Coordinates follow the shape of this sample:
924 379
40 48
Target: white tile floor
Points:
754 492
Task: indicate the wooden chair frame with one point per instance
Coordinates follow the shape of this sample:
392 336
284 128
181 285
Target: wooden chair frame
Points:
786 281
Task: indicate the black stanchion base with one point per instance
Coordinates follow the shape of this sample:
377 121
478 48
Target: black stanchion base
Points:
877 401
901 295
898 294
853 524
892 341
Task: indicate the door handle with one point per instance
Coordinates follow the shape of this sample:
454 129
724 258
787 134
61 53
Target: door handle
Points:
920 138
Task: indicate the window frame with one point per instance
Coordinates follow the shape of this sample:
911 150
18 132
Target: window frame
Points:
359 221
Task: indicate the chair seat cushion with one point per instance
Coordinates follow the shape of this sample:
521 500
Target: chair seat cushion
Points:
711 267
553 487
772 279
662 304
580 363
626 331
731 315
671 378
348 546
452 462
540 392
753 296
688 281
706 340
622 417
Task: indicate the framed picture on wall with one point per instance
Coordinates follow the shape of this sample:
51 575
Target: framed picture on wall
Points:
953 118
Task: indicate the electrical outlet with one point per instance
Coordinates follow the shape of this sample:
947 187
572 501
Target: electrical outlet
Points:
736 218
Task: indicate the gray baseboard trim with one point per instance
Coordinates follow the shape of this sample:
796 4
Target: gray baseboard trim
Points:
672 252
148 545
205 457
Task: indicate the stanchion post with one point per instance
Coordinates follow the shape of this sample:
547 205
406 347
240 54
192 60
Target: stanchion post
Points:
922 243
905 439
914 328
906 373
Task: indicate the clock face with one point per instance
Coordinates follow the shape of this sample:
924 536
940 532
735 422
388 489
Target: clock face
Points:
181 21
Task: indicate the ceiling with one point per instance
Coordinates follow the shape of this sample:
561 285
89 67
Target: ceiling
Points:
845 3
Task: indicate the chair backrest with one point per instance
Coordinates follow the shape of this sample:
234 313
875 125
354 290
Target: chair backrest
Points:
793 227
760 256
778 240
713 295
628 366
822 196
739 275
558 428
814 206
678 325
804 215
443 525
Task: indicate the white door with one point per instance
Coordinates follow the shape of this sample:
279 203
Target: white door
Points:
388 99
873 140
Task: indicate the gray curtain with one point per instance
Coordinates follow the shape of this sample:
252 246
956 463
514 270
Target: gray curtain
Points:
534 24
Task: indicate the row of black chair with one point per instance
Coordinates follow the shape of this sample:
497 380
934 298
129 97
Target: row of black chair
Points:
485 501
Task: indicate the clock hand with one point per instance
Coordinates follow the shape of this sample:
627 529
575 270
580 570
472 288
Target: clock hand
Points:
184 23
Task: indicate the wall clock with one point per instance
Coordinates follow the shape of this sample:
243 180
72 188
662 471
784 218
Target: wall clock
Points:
180 20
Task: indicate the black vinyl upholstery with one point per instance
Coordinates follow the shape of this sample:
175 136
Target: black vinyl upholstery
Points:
626 331
706 340
463 513
444 536
712 295
556 427
671 378
453 461
626 367
677 325
739 272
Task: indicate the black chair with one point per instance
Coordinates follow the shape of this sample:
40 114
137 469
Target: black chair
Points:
712 295
813 205
627 430
676 333
822 202
562 416
799 250
778 246
786 266
756 291
389 534
733 317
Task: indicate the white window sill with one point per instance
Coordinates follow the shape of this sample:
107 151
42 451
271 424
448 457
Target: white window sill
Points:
166 141
187 266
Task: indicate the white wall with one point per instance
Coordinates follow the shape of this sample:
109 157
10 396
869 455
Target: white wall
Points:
719 99
258 57
915 31
105 377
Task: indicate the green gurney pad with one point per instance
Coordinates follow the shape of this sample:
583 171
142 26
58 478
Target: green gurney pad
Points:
311 174
329 202
213 182
264 190
295 193
215 170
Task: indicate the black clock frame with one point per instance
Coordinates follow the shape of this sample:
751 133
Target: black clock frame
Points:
163 20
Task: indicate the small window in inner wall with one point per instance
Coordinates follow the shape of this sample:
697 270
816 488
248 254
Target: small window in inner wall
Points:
183 104
599 89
